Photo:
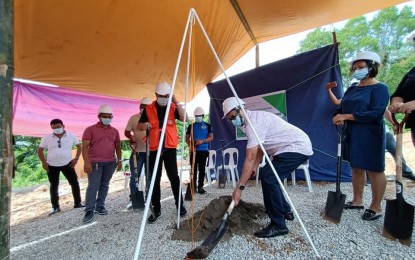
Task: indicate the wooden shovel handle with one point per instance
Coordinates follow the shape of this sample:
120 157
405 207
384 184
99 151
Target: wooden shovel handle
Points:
399 125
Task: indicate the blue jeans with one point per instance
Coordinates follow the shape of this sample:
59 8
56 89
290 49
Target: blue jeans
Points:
141 160
391 148
98 182
274 201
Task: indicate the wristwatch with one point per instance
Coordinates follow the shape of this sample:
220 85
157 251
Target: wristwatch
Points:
241 187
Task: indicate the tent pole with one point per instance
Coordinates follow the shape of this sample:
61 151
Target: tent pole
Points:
6 148
334 36
257 56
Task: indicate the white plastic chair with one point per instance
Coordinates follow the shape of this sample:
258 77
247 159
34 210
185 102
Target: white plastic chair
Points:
231 168
210 165
303 167
262 164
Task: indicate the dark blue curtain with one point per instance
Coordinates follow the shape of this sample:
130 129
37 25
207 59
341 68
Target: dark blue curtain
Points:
304 77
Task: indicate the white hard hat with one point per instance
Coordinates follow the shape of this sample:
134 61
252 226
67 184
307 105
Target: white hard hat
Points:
163 88
104 109
199 111
231 103
145 101
366 55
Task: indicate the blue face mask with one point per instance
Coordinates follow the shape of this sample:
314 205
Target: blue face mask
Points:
198 119
106 121
360 74
238 122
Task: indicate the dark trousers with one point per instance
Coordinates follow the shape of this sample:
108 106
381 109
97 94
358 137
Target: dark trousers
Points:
274 201
413 136
70 175
391 148
199 166
168 156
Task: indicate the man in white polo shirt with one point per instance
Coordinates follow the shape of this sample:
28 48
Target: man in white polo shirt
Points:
59 159
288 147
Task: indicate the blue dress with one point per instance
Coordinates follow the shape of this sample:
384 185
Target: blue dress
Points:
364 141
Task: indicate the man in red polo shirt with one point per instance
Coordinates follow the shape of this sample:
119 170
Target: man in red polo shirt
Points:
100 143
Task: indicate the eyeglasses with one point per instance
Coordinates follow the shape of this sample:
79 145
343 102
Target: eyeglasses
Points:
59 143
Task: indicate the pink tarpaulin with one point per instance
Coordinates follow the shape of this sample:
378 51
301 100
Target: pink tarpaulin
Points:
34 106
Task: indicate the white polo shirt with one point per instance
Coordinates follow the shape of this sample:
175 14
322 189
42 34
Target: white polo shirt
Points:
59 156
277 135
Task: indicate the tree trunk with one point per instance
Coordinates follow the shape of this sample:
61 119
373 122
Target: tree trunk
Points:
6 101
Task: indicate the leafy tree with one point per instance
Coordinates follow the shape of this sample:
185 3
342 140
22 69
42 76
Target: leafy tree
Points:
383 34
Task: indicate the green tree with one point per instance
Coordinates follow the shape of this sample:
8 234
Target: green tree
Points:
383 34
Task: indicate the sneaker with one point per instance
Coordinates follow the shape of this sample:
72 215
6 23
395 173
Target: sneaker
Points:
54 211
89 216
153 219
129 205
409 175
200 190
101 211
78 205
271 230
183 211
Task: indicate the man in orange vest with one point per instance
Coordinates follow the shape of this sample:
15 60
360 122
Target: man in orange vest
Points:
153 116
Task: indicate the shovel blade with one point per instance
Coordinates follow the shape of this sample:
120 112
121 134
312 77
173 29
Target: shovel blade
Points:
203 251
399 221
334 206
188 196
137 200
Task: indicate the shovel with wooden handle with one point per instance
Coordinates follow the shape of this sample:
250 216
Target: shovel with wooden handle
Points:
137 197
399 215
213 238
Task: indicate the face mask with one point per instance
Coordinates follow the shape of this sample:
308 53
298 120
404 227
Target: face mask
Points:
237 121
58 131
198 119
106 121
162 101
360 74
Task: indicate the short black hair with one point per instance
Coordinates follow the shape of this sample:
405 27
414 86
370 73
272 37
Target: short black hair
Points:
56 121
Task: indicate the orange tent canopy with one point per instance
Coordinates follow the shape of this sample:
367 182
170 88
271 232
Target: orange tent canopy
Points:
123 48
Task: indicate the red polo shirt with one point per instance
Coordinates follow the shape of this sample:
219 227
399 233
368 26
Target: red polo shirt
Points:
103 142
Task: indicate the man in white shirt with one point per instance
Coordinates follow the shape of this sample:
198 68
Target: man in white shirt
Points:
288 147
59 159
136 140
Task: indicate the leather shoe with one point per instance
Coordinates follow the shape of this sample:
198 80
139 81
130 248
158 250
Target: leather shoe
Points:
183 212
78 205
271 231
54 211
289 216
410 176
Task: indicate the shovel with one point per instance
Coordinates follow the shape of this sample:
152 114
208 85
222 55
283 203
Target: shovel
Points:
138 196
335 199
148 168
399 215
213 238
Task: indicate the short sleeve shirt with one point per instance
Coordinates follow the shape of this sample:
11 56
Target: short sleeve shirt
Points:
276 135
200 131
58 156
103 141
139 136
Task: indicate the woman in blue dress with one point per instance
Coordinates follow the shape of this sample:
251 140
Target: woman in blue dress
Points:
362 109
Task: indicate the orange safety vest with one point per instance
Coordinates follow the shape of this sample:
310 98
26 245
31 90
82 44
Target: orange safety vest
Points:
171 139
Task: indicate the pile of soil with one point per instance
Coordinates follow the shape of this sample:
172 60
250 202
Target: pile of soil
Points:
241 221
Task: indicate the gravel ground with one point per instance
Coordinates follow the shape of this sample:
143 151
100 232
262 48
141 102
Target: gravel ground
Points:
63 236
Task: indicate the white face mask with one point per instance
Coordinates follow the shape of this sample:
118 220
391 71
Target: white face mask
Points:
198 119
58 131
162 101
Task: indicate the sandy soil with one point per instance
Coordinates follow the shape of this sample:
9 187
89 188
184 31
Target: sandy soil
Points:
34 202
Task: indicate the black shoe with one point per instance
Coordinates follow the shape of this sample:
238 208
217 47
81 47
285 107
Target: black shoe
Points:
89 216
409 175
370 215
183 212
271 231
200 190
101 211
54 211
153 219
78 205
289 216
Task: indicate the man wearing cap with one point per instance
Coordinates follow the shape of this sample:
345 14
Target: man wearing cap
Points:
100 143
59 159
153 117
136 140
286 145
198 136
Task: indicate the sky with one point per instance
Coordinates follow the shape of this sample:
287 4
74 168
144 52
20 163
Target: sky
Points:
270 51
